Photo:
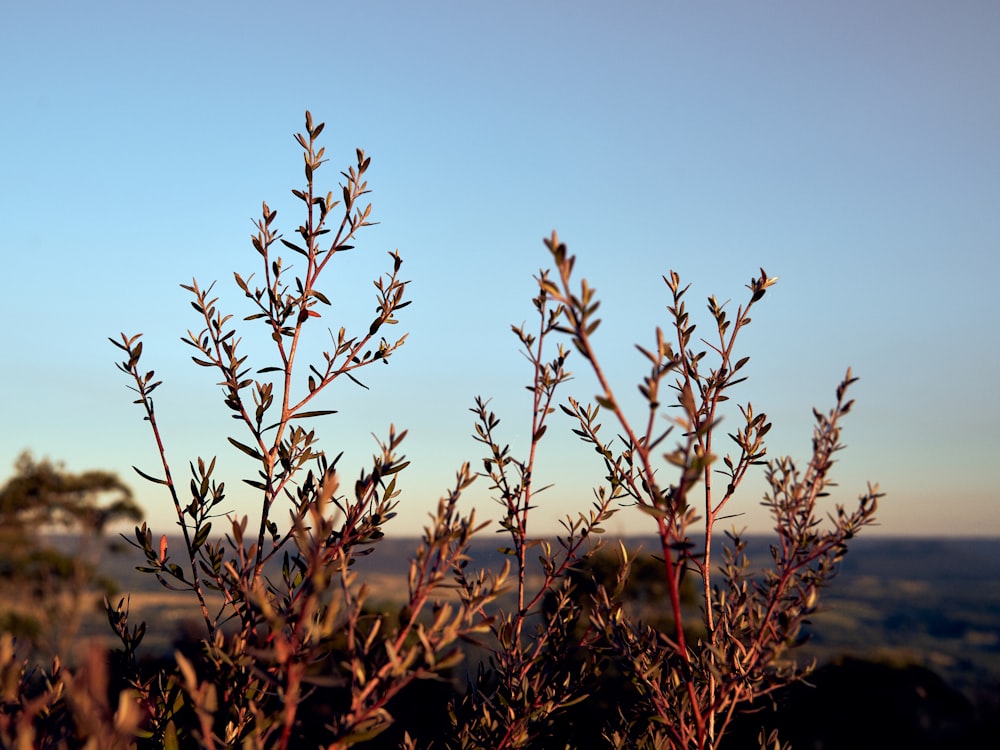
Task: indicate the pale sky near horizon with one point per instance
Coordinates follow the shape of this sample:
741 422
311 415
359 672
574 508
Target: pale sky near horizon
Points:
852 149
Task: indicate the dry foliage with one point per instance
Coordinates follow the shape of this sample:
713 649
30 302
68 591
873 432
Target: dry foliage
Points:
297 659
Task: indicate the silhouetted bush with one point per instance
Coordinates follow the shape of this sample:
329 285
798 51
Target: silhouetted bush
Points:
294 656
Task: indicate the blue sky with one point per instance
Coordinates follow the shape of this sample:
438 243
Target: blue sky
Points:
851 149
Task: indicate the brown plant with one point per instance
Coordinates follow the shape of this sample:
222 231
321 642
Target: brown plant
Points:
291 654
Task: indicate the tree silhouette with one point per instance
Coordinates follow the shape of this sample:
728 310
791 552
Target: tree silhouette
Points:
47 572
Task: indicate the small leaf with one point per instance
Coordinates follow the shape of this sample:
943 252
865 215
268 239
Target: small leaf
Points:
147 477
388 470
246 449
202 536
686 399
605 402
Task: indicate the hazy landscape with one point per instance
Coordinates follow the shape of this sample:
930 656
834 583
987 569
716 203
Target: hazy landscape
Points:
931 602
906 639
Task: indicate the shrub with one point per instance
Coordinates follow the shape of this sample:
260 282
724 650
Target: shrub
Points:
290 655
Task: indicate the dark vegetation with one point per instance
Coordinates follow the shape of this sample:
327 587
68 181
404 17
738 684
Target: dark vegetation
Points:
40 583
881 675
590 646
867 705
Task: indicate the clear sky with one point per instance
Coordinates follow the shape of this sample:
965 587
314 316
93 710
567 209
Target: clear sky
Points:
853 149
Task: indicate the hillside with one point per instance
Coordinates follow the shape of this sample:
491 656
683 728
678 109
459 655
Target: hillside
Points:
932 602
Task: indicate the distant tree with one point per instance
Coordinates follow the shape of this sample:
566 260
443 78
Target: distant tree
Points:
39 500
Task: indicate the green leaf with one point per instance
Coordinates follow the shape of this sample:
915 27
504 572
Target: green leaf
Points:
202 536
605 402
387 470
686 400
319 413
147 477
293 246
170 741
246 449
